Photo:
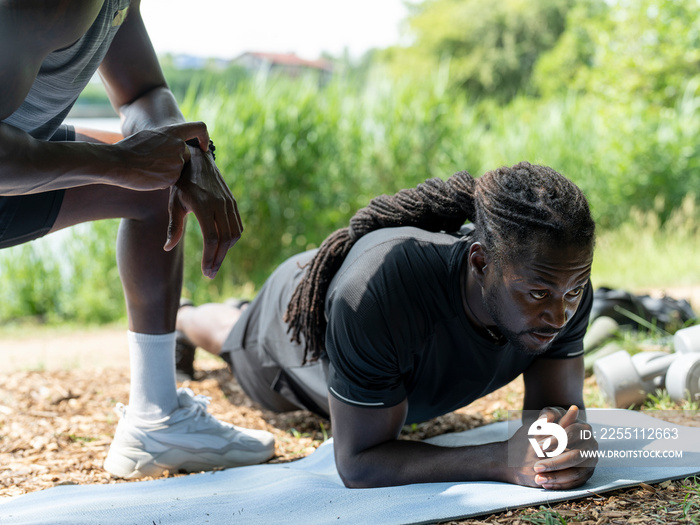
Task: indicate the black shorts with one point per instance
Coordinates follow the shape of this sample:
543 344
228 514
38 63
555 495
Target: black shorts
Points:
24 218
266 364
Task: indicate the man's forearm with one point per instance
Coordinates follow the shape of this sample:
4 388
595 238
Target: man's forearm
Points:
29 166
145 161
400 462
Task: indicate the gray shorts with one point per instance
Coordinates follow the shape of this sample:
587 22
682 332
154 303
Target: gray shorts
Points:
24 218
265 362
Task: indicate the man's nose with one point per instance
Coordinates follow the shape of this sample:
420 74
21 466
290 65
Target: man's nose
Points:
557 314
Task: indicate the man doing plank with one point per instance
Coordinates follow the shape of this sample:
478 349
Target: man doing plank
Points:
398 319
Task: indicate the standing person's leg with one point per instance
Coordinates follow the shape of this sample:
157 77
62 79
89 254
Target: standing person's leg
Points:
152 280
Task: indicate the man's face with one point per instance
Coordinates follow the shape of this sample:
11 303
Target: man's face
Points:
534 297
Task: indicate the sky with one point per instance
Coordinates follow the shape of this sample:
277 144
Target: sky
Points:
227 28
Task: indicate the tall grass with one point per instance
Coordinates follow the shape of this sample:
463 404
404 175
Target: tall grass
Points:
72 277
301 159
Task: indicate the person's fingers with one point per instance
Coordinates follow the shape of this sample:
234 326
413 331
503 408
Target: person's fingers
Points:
210 238
236 224
229 227
192 130
186 155
565 460
564 479
223 226
551 413
239 222
559 416
228 235
570 417
176 223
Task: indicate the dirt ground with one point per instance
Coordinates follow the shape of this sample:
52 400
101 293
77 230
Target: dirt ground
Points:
56 426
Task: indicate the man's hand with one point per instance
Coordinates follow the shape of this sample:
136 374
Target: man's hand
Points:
565 471
159 159
201 190
156 158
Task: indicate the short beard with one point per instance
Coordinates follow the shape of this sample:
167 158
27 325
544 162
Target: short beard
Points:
493 308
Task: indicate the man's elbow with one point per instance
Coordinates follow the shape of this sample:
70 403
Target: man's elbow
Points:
355 475
355 483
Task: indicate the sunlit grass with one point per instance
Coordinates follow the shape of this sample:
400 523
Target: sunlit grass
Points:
661 400
643 253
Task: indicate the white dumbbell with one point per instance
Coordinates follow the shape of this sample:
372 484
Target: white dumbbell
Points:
626 380
687 340
683 378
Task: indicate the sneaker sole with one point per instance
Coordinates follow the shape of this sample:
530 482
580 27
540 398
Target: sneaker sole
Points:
134 463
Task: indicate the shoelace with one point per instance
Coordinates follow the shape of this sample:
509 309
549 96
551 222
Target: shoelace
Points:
197 405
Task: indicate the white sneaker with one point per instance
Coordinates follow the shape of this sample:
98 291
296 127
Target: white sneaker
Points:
190 439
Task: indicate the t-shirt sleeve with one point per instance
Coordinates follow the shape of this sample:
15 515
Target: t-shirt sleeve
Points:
570 343
364 369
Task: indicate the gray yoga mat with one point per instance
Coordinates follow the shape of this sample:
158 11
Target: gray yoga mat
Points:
309 490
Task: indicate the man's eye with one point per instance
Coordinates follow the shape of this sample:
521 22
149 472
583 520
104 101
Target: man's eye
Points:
576 292
538 294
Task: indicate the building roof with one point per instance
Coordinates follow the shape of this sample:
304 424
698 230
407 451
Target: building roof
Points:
289 59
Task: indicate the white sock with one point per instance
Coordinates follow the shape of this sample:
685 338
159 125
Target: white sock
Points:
153 390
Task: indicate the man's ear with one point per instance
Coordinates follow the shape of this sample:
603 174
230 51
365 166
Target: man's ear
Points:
478 262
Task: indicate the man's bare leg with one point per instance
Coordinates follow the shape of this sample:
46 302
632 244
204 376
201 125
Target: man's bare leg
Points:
207 326
151 279
162 428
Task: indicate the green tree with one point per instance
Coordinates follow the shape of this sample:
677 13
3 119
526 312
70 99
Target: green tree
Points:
491 47
624 49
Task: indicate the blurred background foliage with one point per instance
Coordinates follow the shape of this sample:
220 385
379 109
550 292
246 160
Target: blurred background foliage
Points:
605 91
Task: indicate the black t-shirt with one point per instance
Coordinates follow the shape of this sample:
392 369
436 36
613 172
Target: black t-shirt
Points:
397 328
